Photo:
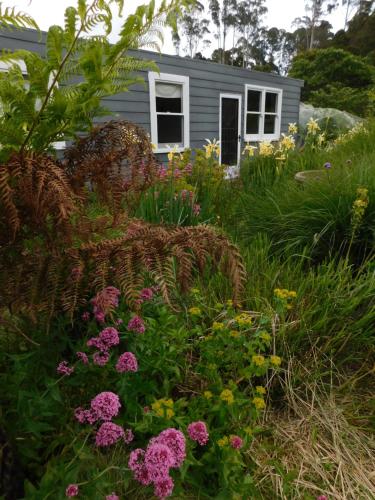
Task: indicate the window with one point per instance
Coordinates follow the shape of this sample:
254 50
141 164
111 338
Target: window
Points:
169 107
262 113
4 66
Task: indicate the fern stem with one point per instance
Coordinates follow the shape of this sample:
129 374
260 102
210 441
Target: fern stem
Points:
55 79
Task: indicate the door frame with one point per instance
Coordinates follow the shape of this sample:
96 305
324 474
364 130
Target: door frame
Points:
239 98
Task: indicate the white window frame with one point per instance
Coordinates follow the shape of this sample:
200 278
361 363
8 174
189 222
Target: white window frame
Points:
153 78
262 136
4 66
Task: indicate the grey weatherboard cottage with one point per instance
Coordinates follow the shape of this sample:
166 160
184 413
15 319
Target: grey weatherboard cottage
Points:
191 100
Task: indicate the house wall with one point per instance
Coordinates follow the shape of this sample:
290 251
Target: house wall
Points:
207 81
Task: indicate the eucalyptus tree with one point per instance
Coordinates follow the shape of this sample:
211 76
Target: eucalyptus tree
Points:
316 10
192 27
249 15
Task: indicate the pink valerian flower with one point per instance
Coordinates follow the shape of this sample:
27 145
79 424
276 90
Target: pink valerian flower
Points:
159 459
136 459
136 324
85 416
100 358
112 496
72 490
119 321
128 436
198 432
107 338
236 442
85 316
108 434
162 172
164 488
82 356
177 173
146 294
127 362
175 440
99 316
106 405
64 369
196 209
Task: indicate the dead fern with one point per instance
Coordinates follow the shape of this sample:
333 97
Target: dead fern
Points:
54 255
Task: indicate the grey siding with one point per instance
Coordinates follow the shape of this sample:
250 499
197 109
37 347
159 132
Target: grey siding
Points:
207 81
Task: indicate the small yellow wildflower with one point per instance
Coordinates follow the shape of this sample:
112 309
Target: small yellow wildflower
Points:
234 334
195 291
207 394
258 360
168 403
224 441
153 147
259 403
216 326
156 406
195 311
250 150
312 126
243 319
229 303
172 154
275 360
212 148
292 128
260 389
265 336
169 413
227 395
321 139
266 149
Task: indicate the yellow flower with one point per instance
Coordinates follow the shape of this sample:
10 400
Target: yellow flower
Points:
163 408
160 412
207 394
265 336
287 143
275 360
168 403
195 311
216 326
234 334
227 395
229 303
260 389
250 150
321 139
223 441
153 147
156 406
195 291
244 319
292 128
212 148
172 153
312 126
259 403
169 413
266 149
258 360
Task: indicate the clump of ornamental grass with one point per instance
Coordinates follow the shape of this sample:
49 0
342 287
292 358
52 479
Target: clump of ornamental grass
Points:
315 447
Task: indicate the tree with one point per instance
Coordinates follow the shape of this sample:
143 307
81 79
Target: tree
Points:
222 14
249 14
315 11
192 27
335 78
357 6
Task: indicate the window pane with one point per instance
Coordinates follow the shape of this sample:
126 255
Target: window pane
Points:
271 102
253 100
170 129
269 124
252 124
168 98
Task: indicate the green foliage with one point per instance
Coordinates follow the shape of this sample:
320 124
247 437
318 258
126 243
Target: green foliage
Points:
64 87
334 78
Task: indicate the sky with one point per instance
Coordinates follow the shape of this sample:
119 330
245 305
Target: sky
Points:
281 14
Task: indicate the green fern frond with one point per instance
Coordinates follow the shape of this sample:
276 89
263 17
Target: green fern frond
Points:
12 19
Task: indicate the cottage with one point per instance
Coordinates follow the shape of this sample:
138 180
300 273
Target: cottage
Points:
192 100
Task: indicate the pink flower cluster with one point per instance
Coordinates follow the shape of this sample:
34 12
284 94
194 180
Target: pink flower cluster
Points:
64 369
236 442
198 432
136 324
82 356
112 496
146 294
127 362
72 490
107 338
166 451
108 434
104 302
104 406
